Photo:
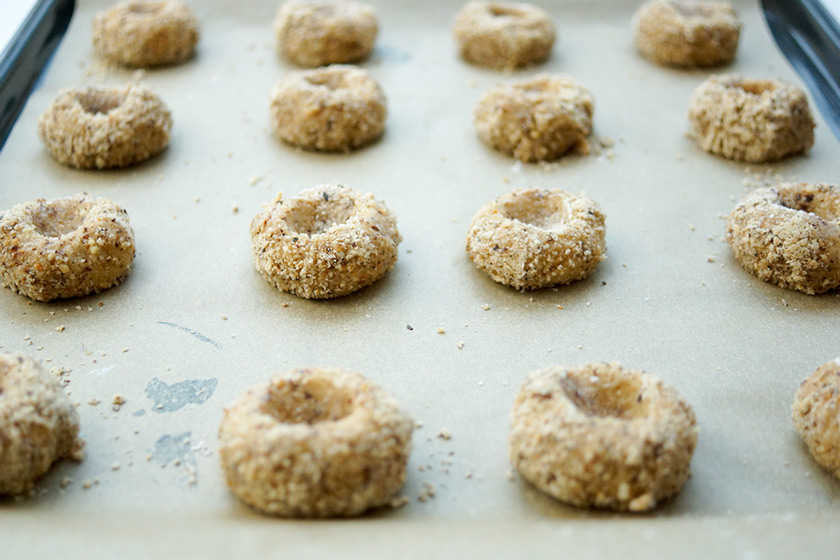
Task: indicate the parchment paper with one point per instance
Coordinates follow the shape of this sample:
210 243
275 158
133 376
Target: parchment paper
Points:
195 325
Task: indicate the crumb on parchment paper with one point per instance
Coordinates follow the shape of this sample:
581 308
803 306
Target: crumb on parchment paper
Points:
426 493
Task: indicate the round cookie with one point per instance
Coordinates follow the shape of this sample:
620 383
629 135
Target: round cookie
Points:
63 248
814 415
750 120
534 238
315 443
536 119
602 436
687 34
789 235
38 423
503 35
97 127
328 241
311 34
146 34
337 108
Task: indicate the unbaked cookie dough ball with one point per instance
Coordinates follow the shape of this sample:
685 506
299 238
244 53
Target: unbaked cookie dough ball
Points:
315 443
750 120
815 415
603 436
687 33
536 119
38 423
313 34
146 34
64 248
789 235
535 238
96 127
333 109
327 242
504 35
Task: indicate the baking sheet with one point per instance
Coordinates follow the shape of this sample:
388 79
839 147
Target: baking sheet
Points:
194 324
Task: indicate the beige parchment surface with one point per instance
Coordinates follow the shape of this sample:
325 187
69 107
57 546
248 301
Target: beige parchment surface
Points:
194 324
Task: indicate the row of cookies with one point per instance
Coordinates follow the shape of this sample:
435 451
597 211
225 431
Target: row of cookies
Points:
499 35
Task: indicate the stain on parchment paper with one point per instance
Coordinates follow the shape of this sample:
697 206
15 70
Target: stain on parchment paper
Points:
176 452
392 53
169 398
169 448
193 332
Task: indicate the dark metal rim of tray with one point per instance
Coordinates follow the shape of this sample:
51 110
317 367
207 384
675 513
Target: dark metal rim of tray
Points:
27 54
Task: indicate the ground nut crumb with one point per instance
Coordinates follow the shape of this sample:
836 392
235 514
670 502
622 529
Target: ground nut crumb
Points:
399 502
426 493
